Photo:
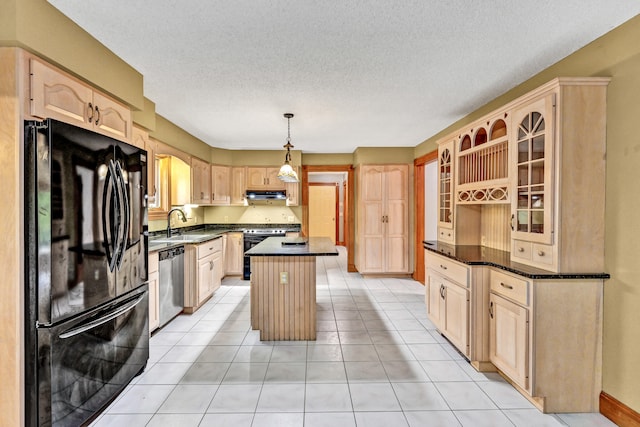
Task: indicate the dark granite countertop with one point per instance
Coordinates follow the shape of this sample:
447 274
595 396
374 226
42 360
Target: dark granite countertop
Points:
481 255
315 246
203 233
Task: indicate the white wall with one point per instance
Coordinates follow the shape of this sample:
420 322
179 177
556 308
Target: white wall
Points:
431 201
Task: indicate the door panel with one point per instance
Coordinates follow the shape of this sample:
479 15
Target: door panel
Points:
322 211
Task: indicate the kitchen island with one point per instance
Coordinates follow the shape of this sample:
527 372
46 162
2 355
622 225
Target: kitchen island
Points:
283 286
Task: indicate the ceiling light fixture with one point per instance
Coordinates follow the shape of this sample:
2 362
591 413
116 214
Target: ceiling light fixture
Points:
287 174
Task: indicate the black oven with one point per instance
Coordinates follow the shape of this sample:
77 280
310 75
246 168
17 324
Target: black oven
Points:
252 238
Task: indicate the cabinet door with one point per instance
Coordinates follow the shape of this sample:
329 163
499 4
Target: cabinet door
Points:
238 185
217 271
154 309
372 240
456 312
234 254
220 185
256 178
200 182
205 278
152 179
111 118
293 191
58 96
532 159
435 294
396 218
445 185
273 182
509 339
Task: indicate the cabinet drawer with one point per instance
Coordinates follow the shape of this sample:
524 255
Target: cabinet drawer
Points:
445 235
153 262
454 271
210 247
511 287
542 253
521 250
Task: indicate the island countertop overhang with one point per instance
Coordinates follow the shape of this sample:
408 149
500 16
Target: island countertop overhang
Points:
272 246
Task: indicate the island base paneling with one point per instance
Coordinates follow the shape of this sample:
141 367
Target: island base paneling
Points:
284 311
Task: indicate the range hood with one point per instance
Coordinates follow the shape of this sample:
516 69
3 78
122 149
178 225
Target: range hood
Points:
262 196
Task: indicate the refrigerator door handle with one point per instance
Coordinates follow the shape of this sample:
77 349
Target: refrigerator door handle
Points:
123 229
95 323
107 221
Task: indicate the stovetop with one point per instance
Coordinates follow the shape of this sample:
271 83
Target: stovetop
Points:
264 231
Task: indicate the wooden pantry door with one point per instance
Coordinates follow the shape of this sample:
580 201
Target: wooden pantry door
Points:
322 210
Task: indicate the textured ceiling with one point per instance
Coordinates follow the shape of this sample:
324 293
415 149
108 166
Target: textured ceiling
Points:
354 73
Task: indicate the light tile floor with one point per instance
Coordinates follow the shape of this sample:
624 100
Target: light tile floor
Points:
377 361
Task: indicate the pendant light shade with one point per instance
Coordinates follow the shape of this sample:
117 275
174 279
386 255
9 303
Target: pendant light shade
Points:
287 174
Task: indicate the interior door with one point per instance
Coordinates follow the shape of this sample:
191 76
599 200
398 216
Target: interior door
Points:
322 211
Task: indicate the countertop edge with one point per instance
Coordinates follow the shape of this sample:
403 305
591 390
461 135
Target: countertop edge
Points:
520 269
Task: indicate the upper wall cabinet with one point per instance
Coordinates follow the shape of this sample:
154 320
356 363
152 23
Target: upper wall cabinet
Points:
482 163
238 185
200 182
445 191
220 185
532 155
263 179
57 95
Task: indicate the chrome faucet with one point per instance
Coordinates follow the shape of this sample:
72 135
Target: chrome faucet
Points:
180 213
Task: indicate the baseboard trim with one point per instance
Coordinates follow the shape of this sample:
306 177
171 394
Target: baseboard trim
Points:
618 412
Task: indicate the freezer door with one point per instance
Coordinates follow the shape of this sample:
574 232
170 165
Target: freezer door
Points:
85 362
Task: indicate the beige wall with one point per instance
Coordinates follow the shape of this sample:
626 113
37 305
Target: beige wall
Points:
257 214
617 55
37 26
317 159
42 29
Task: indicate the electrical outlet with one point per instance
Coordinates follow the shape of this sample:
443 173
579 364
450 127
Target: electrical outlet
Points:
290 218
284 277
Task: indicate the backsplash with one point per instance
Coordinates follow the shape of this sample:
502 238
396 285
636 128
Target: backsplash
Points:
232 215
494 226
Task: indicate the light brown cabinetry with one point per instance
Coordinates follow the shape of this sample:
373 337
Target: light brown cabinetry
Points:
220 185
200 182
545 336
445 191
383 240
447 299
234 254
263 179
238 185
204 269
55 94
154 301
293 190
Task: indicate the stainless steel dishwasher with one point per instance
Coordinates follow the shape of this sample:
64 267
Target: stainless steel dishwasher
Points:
171 283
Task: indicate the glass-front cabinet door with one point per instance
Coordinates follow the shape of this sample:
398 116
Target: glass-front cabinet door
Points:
532 206
445 185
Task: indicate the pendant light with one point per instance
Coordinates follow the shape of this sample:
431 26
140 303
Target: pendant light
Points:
287 174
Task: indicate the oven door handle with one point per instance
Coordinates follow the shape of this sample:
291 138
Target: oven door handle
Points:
95 323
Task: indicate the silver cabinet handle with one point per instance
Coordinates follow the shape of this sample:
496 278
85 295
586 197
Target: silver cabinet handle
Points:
540 253
210 265
513 217
520 249
491 309
90 118
444 267
506 286
97 115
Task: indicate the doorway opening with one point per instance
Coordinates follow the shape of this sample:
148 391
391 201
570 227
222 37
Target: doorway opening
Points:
327 205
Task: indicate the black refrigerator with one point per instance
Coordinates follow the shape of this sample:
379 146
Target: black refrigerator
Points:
86 272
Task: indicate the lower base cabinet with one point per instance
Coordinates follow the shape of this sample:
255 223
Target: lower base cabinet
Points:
203 273
545 337
154 301
508 339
